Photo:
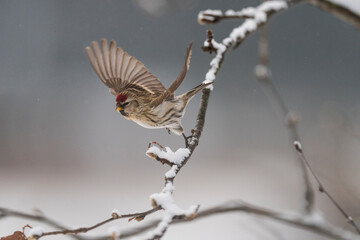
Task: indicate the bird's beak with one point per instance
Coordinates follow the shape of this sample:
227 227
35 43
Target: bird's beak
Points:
118 109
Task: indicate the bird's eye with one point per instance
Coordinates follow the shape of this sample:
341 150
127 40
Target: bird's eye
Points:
127 103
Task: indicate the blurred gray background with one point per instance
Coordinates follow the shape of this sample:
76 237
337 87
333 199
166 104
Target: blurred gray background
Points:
65 151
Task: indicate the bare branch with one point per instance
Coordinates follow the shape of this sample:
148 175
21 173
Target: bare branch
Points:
5 212
314 222
262 73
114 216
336 9
322 189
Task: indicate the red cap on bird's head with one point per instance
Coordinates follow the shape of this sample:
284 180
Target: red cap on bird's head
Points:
121 98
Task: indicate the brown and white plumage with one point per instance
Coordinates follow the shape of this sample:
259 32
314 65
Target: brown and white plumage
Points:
140 96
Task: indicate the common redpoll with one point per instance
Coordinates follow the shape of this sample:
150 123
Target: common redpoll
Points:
140 96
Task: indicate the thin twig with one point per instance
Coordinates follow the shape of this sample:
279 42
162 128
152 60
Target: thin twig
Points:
114 216
5 212
323 190
263 75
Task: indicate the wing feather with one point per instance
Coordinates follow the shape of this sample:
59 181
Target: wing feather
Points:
117 69
113 58
95 64
130 68
106 57
169 93
99 59
119 60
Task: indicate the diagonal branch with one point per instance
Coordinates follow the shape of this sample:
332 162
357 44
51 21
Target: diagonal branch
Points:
322 189
263 75
342 12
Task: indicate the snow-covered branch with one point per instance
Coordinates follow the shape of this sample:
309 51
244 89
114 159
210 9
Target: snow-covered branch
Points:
259 17
213 16
164 199
256 17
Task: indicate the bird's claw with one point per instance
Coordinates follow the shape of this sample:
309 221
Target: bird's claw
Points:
168 130
187 139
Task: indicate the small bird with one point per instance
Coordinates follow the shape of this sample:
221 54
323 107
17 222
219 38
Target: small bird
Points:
140 96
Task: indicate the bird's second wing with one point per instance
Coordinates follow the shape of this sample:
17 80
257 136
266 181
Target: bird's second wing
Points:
169 93
116 68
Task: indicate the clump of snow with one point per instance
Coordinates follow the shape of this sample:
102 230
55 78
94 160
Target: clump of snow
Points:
215 63
213 12
161 227
114 231
164 198
249 11
259 16
36 231
192 210
169 187
230 12
275 5
203 16
297 145
315 217
172 172
115 213
206 43
173 157
262 72
171 210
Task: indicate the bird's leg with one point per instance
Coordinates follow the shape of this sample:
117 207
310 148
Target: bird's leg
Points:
187 139
168 130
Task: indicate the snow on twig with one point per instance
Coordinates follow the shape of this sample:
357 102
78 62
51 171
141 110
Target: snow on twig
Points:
256 17
173 157
213 16
164 199
36 232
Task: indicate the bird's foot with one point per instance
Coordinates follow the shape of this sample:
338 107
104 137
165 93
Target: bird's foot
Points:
187 139
168 130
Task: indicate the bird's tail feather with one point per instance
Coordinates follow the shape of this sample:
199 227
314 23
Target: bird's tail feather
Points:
188 95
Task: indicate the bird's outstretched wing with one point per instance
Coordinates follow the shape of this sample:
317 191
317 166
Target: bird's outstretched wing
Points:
169 93
116 68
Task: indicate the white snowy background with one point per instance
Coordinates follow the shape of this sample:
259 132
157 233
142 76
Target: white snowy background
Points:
65 151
